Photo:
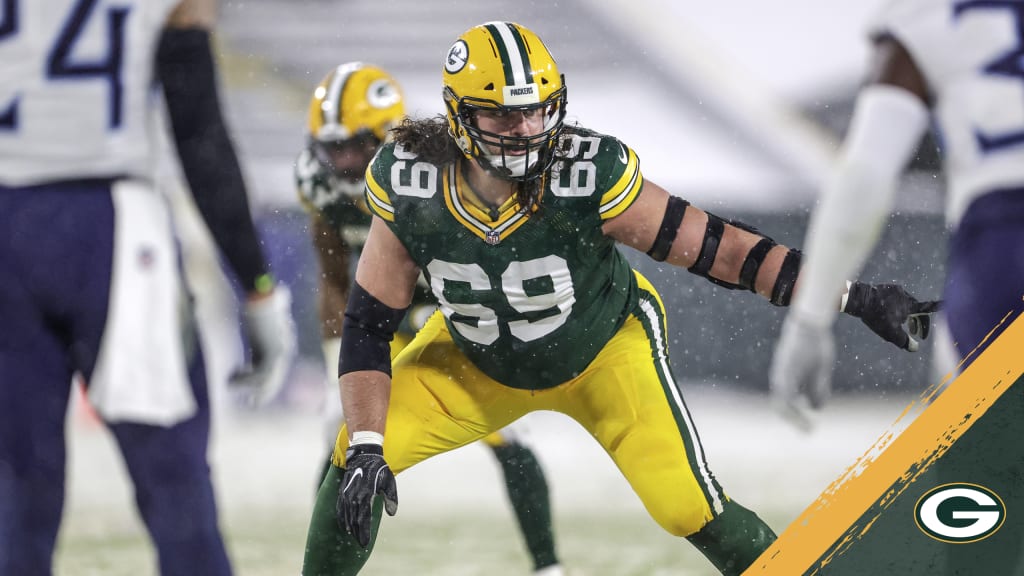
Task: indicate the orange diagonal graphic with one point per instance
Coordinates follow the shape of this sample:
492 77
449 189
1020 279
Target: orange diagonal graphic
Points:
894 462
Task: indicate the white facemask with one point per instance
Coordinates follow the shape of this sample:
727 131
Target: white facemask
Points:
348 188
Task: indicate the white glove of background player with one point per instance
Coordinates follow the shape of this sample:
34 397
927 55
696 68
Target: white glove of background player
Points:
801 372
270 332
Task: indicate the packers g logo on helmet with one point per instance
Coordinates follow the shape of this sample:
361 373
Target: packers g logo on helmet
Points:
352 100
457 57
503 66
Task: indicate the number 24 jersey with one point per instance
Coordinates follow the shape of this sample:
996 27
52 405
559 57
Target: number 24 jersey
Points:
77 88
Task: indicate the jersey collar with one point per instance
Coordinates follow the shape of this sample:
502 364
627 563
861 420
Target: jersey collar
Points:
458 197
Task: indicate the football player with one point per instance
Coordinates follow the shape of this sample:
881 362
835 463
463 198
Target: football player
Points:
350 116
957 64
514 218
93 284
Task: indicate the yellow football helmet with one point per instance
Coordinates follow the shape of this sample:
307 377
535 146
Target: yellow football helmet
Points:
355 98
503 66
351 113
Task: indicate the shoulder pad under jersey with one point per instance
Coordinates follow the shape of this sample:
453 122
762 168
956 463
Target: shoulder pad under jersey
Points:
395 172
597 166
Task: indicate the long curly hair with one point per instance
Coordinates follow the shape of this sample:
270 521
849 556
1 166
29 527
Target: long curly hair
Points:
430 140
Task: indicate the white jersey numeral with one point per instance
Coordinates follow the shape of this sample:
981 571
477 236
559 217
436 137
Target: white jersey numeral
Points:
417 179
581 179
63 64
540 290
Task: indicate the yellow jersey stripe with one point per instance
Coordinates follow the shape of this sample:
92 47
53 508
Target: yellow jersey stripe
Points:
377 199
622 194
451 200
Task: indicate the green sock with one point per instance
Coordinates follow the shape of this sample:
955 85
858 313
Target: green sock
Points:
330 550
734 539
528 493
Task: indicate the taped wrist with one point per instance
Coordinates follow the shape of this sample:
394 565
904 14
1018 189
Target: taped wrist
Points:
674 212
856 299
361 449
366 335
782 292
367 437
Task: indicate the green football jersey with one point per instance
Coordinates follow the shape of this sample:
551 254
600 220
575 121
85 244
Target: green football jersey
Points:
321 193
530 300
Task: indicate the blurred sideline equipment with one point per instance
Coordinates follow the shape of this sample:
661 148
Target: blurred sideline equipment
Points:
350 115
957 63
94 282
514 219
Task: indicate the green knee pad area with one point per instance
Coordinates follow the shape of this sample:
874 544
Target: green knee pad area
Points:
330 550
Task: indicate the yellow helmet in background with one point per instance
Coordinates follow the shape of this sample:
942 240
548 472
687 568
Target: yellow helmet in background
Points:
355 99
503 66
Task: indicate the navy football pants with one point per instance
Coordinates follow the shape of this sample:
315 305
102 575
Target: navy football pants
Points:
985 277
985 282
56 253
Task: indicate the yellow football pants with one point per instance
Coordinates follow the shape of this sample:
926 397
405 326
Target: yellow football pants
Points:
627 399
399 343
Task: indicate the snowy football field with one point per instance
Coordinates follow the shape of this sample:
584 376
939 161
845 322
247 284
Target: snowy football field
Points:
453 518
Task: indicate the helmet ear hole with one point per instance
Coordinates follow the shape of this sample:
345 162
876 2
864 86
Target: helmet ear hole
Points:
489 87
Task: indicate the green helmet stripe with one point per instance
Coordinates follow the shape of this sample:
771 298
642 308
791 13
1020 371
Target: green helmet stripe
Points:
514 59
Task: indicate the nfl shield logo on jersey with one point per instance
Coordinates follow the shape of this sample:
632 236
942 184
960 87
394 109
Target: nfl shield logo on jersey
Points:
492 237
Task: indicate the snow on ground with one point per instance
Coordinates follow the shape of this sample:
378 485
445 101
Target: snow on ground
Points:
453 517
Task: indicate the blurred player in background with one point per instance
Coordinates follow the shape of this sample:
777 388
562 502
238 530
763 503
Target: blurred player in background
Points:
959 64
93 279
514 219
350 116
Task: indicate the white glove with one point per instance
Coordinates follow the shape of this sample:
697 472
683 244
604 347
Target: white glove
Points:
801 372
269 329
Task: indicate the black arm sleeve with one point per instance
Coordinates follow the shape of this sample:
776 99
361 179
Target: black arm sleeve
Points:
367 333
187 72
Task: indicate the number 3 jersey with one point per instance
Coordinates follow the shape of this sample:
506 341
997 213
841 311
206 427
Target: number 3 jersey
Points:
77 88
530 300
971 53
